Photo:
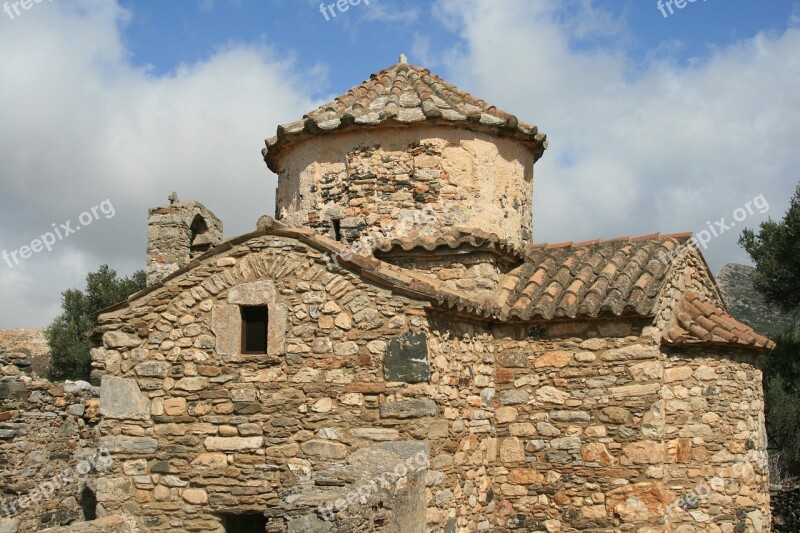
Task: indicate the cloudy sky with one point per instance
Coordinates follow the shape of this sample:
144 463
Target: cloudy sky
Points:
656 123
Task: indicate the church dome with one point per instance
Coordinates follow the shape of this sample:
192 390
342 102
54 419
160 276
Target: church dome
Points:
406 151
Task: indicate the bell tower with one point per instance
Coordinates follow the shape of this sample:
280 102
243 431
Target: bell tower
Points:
176 234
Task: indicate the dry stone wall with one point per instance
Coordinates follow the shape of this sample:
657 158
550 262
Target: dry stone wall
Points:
578 429
109 524
463 444
715 441
48 453
24 351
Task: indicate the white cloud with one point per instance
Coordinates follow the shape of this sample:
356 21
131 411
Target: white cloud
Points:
378 11
81 123
421 52
635 150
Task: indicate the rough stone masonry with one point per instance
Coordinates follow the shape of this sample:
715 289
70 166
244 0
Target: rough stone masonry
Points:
257 385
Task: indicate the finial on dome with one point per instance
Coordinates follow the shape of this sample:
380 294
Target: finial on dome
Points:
403 59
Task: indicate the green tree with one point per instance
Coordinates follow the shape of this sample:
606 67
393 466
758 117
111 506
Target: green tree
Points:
776 253
775 249
782 399
69 347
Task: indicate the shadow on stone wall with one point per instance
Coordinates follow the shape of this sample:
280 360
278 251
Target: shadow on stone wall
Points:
785 505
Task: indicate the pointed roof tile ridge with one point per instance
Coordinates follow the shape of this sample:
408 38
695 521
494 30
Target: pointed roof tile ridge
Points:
700 321
403 95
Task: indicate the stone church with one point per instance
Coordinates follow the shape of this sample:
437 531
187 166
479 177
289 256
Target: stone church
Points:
393 352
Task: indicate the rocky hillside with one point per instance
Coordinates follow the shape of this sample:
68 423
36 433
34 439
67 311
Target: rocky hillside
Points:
746 304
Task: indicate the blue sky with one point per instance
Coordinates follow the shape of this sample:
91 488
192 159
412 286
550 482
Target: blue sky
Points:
165 34
656 124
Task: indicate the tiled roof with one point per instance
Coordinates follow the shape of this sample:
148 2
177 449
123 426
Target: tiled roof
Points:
403 95
451 237
591 279
595 279
699 321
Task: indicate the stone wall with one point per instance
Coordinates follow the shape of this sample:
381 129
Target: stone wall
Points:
48 453
370 412
205 431
592 427
109 524
463 444
176 234
716 440
579 434
475 272
392 180
785 503
24 351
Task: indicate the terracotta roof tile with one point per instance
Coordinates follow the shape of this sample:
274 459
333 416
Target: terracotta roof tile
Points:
615 277
700 321
620 277
684 235
403 95
676 335
453 237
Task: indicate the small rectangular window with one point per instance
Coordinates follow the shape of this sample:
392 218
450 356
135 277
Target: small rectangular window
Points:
244 523
254 330
337 229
